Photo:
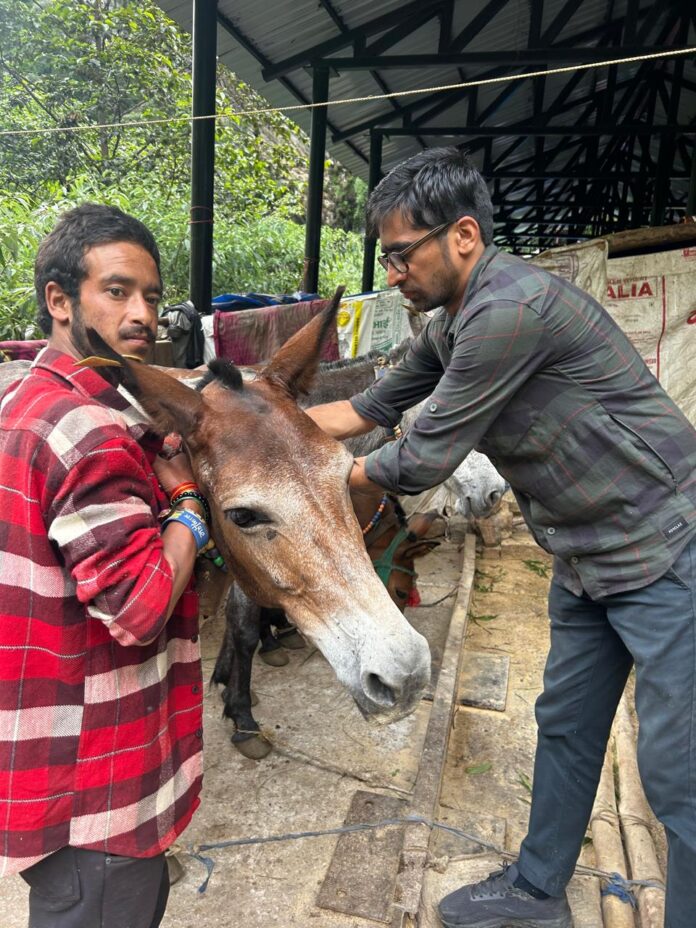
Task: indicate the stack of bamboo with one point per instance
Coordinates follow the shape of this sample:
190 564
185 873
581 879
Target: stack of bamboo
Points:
621 837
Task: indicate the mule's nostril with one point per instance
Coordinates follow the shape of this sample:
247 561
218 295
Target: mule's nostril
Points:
379 691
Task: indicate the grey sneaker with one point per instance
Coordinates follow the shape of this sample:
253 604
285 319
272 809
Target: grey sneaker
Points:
496 903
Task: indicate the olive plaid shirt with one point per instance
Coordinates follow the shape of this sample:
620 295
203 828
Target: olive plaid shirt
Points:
100 693
535 373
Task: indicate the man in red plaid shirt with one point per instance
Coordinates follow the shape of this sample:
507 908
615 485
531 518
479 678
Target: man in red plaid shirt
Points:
100 678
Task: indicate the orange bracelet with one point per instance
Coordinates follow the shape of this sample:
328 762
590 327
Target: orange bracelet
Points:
184 487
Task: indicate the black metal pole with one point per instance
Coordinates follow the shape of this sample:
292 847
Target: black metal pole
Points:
203 153
315 193
691 197
374 177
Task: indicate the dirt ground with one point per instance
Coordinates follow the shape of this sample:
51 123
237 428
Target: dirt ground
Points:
488 775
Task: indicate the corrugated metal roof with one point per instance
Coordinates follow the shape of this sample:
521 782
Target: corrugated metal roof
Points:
255 35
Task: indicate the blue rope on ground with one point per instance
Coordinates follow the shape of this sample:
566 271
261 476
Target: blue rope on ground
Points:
616 884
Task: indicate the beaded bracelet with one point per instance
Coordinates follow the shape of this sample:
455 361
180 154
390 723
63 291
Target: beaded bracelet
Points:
377 516
193 494
212 554
193 523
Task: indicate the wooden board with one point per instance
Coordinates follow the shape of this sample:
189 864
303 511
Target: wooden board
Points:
361 875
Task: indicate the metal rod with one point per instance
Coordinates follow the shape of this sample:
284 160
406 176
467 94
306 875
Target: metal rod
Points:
203 66
315 192
691 198
368 273
530 129
509 57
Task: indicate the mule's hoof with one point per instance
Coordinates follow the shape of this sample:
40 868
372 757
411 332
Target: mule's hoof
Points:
254 698
255 747
276 658
291 639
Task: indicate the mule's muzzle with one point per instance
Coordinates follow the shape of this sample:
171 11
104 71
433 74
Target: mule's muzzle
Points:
387 699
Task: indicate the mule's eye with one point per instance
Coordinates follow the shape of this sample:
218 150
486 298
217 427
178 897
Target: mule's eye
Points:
245 518
402 594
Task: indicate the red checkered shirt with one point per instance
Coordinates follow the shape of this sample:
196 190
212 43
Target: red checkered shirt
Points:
100 694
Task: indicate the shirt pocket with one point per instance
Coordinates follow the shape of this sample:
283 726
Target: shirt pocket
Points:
583 470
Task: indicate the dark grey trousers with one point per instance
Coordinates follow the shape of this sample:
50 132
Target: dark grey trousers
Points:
594 644
75 888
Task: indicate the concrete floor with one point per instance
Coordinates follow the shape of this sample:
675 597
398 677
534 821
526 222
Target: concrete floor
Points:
324 752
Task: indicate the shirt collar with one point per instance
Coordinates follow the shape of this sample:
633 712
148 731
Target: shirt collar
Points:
489 252
88 382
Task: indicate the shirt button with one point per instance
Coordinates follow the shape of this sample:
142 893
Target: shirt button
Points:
574 560
551 531
199 733
195 688
433 407
194 638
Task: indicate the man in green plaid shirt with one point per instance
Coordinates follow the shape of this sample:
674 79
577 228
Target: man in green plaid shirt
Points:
532 371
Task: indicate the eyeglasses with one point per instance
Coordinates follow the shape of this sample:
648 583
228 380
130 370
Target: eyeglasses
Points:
396 258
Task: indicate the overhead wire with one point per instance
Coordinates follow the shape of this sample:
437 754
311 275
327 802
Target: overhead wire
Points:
267 110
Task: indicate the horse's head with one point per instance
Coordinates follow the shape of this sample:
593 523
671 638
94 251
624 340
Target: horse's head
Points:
282 516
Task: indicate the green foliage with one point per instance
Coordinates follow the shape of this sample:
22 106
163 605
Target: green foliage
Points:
537 567
265 252
77 62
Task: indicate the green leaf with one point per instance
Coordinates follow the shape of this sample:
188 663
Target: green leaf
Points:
476 769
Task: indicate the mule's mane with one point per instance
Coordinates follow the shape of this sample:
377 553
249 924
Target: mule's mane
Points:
392 354
223 371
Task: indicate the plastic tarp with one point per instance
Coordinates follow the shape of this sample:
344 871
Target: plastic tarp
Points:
372 321
653 298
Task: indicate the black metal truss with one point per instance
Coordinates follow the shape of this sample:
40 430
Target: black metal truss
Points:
606 150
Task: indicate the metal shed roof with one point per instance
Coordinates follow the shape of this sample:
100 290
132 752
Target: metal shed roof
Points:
588 150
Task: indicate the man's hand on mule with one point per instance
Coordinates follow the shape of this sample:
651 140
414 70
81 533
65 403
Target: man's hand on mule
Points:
358 481
172 466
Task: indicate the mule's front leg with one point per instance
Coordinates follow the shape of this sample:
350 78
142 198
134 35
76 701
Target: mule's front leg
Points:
242 632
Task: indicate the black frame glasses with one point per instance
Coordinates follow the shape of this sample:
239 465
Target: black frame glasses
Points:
396 258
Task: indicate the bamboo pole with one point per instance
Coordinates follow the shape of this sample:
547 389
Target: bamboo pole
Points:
634 816
606 839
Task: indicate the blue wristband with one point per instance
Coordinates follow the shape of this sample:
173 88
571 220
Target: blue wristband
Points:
193 522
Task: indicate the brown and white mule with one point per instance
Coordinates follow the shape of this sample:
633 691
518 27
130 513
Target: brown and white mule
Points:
282 515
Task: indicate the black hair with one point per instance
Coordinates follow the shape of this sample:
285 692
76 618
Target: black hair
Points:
225 372
435 186
61 255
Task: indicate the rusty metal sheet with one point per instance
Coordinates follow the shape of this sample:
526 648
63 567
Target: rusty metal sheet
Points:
483 682
361 876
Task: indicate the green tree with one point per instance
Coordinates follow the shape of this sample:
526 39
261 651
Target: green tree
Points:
108 62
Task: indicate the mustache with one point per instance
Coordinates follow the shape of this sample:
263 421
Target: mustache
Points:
139 331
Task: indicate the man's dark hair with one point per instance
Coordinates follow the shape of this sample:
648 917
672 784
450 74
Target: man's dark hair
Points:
432 187
61 255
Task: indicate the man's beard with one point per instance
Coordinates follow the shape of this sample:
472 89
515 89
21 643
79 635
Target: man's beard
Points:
80 339
78 332
441 290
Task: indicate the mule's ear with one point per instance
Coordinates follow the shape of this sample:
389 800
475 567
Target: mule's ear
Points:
170 406
294 366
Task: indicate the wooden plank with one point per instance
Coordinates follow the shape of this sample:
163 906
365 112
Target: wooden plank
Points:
426 793
360 878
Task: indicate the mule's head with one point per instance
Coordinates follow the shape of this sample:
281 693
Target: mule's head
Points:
395 544
282 516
